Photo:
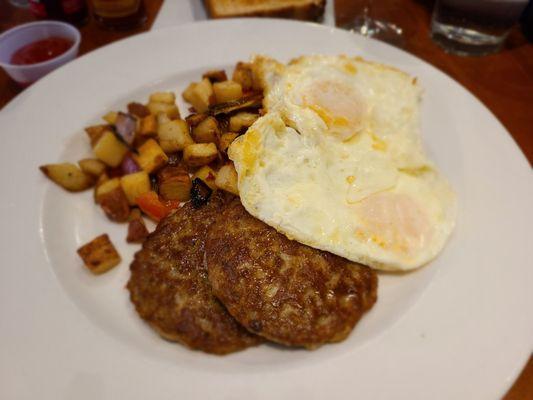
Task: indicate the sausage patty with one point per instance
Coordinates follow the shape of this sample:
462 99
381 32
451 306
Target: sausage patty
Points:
170 289
280 289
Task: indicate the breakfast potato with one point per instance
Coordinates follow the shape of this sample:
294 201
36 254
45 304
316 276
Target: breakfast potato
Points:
109 149
217 75
199 154
105 187
243 75
68 176
171 110
92 166
137 231
99 255
148 126
138 109
151 156
187 94
111 117
206 131
174 136
225 140
134 185
162 118
242 120
227 91
99 182
174 184
207 175
95 132
194 119
200 95
115 204
162 97
227 179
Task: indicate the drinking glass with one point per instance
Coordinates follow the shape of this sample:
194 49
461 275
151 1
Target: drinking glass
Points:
474 27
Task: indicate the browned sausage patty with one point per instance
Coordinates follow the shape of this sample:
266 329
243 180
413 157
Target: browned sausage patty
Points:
283 290
170 289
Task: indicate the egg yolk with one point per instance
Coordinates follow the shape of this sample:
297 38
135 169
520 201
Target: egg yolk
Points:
338 106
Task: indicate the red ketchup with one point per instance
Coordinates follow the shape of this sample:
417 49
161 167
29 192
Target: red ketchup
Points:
41 50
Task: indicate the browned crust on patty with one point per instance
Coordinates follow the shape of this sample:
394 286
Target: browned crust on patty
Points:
283 290
170 289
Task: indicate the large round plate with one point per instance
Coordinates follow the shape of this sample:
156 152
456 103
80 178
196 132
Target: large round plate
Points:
459 328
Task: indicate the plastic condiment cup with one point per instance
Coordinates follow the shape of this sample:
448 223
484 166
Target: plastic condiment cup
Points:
15 38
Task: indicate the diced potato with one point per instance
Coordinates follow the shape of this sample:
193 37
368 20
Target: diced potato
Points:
227 179
68 176
92 166
95 132
151 156
206 174
171 110
174 184
199 154
115 204
217 75
162 118
225 140
135 213
111 117
106 187
206 131
99 255
134 185
109 149
137 231
194 119
243 75
163 97
148 126
241 120
138 109
174 136
201 95
188 93
227 91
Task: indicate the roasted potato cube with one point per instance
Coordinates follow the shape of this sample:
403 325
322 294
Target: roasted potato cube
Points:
227 91
207 175
243 75
109 149
92 166
206 131
217 75
200 95
105 187
188 93
199 154
148 126
99 255
162 118
225 140
194 119
162 97
111 117
174 136
138 109
174 184
68 176
227 179
137 231
115 204
241 120
151 156
134 185
95 132
171 110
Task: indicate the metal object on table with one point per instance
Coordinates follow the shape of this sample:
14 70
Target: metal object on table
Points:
474 27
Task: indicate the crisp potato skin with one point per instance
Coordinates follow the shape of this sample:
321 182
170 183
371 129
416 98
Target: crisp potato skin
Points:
170 289
280 289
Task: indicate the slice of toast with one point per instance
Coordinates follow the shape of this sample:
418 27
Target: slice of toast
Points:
309 10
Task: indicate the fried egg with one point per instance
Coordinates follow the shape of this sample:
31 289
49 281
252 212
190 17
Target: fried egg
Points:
337 162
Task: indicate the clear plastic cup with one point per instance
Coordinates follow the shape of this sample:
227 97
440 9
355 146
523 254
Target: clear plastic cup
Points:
14 39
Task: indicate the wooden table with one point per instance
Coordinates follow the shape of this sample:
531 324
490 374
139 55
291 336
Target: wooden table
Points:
503 81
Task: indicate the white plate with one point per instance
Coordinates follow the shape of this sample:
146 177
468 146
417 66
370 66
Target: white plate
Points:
459 328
